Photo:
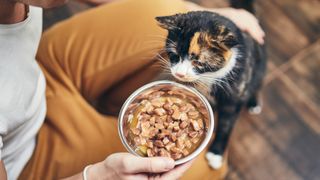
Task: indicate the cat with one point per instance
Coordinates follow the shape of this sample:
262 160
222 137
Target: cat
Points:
207 51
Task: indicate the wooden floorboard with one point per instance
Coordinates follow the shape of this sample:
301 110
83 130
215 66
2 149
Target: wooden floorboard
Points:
277 142
305 14
283 37
283 142
305 73
283 125
253 157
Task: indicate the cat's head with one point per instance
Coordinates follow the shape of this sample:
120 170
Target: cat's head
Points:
200 45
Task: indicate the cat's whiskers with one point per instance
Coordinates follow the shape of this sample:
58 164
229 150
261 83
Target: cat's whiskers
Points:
171 42
229 76
172 49
163 66
218 82
155 42
162 38
202 85
162 59
209 81
160 51
205 89
164 62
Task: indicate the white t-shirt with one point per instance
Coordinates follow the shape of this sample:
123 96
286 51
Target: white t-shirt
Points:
22 91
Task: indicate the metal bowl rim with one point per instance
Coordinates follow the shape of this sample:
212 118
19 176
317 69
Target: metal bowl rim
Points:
163 82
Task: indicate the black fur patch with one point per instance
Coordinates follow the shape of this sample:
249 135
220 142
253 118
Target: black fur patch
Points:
217 35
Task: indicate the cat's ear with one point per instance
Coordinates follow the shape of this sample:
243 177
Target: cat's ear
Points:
230 40
225 37
168 22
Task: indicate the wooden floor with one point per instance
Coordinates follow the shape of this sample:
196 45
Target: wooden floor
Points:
283 142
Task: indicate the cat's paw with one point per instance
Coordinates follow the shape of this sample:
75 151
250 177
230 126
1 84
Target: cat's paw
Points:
215 161
255 110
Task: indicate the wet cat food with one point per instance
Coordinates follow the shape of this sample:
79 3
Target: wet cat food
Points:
166 122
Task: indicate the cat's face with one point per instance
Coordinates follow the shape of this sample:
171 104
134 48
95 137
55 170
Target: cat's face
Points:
198 48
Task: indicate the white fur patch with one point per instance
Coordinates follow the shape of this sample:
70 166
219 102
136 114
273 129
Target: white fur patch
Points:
214 160
184 68
255 110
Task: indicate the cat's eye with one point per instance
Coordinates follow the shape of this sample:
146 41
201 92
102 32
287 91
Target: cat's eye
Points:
174 58
193 56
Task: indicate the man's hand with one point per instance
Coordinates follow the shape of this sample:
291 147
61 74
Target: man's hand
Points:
246 21
130 167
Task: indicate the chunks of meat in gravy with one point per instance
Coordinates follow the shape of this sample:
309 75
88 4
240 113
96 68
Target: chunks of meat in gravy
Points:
167 123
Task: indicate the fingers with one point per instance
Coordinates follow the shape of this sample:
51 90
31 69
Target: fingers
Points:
257 33
130 167
128 163
151 165
177 172
252 26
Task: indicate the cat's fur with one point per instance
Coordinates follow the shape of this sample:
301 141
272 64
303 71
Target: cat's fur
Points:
209 52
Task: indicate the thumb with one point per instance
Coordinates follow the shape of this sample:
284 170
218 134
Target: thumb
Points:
135 164
177 172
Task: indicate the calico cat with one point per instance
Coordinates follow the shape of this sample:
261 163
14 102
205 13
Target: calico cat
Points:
209 52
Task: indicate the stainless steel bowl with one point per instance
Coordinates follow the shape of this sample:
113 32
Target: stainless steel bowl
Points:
155 84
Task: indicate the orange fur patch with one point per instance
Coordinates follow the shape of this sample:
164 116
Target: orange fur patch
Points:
202 40
227 55
206 38
194 44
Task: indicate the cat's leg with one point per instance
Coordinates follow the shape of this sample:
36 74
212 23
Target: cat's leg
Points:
227 116
254 105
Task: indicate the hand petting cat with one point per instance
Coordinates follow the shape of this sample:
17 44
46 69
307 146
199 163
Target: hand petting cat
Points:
246 21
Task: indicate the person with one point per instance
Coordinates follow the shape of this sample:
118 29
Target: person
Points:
49 127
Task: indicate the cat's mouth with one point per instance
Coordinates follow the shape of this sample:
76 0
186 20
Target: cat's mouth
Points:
184 78
183 71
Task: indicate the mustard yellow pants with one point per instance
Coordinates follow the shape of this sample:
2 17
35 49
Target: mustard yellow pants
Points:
106 50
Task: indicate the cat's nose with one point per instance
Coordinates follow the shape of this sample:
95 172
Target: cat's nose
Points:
179 75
